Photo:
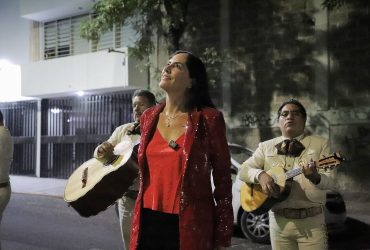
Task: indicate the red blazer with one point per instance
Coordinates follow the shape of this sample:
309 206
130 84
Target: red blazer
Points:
206 215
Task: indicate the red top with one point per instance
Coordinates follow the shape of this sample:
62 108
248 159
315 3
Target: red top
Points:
206 214
162 192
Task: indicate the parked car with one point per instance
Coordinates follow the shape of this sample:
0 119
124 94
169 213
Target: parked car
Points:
256 227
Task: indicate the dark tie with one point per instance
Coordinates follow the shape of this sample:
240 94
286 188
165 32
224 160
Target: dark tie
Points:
290 147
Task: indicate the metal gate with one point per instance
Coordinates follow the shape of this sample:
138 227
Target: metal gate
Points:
71 128
20 118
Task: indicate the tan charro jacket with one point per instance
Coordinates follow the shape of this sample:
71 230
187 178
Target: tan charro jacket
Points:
303 192
6 153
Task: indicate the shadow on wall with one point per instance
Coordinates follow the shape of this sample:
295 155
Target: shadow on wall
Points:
354 175
348 43
359 143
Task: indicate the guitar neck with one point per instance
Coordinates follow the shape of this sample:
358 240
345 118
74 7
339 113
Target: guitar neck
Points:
293 172
327 162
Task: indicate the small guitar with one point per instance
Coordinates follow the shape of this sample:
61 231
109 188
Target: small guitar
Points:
254 200
95 186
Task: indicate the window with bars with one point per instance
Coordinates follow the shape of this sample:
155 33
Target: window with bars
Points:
62 38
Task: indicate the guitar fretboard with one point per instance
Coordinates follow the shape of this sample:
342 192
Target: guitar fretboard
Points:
293 172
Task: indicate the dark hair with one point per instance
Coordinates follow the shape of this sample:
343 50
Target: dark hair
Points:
1 117
295 102
147 94
198 95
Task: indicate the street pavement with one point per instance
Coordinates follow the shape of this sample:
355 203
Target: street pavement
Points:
357 211
40 186
55 188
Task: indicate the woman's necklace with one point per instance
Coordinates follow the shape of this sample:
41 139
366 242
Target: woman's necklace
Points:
171 118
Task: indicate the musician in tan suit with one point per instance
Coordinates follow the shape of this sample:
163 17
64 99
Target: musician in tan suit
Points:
141 100
6 158
298 221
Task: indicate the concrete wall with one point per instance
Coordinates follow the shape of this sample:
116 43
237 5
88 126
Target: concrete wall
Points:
282 49
15 25
15 32
45 10
91 72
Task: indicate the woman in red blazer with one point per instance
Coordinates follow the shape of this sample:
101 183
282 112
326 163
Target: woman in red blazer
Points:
185 195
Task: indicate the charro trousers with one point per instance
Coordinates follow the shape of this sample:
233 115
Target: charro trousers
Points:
303 234
5 193
4 199
125 210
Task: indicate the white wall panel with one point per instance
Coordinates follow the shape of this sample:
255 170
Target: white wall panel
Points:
91 72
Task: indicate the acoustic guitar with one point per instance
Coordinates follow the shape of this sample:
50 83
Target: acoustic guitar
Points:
95 186
253 199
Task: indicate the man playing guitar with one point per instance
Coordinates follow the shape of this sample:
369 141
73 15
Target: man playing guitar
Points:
141 100
296 222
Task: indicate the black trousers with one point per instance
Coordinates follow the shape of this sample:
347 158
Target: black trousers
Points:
159 231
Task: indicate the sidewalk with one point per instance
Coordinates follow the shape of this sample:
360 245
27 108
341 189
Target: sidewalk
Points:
40 186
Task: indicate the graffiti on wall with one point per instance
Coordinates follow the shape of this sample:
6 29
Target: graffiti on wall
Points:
348 115
255 120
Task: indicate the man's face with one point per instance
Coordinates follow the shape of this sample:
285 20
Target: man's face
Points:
291 121
139 105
